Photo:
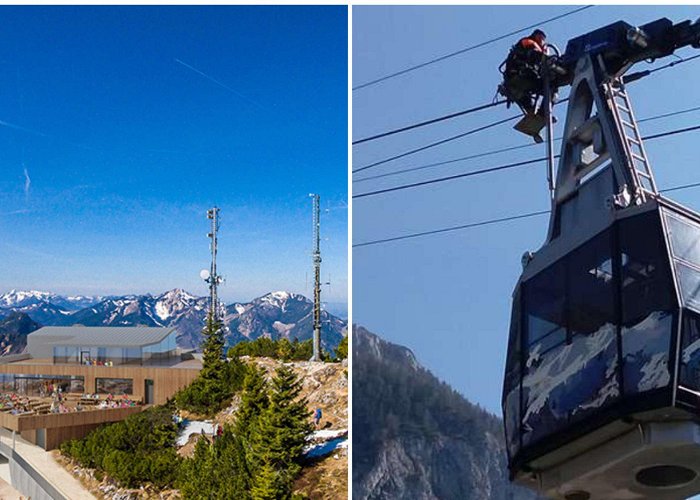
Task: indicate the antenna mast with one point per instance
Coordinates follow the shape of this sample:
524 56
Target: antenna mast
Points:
213 279
317 277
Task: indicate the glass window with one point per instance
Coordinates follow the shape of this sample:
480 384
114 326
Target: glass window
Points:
648 297
690 352
132 355
575 373
685 239
44 385
689 281
65 354
115 386
544 303
646 278
590 300
511 385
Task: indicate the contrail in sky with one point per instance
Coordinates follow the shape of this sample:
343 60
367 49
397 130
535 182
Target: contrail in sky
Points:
27 183
23 129
220 84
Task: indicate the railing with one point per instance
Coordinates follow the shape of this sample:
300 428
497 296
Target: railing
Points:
7 448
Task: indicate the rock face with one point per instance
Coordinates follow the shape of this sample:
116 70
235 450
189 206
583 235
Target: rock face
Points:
13 332
414 437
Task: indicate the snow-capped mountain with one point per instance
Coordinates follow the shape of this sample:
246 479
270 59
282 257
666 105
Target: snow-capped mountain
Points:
176 308
43 307
275 314
18 299
281 314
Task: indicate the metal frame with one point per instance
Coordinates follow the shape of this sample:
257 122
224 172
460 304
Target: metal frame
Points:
592 140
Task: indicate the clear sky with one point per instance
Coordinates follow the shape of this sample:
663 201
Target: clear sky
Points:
120 126
448 296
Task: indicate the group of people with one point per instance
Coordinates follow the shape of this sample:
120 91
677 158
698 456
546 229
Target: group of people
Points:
21 404
111 402
89 362
17 404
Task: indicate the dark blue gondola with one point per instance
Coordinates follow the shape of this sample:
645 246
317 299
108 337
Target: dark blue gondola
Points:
601 396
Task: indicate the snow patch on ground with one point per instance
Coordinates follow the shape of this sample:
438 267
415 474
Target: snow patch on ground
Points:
326 434
323 449
194 427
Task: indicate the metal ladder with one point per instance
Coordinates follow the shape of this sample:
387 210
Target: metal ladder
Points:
631 140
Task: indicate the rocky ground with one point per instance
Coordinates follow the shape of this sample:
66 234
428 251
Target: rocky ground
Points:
324 385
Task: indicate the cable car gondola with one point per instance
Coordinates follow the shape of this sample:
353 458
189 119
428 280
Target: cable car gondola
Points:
601 396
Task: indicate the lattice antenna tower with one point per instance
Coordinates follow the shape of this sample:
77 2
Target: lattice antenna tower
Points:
211 276
317 276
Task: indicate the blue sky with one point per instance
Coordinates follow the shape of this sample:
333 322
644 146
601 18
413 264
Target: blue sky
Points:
448 296
131 121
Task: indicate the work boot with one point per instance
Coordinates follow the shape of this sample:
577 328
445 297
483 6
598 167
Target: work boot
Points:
531 124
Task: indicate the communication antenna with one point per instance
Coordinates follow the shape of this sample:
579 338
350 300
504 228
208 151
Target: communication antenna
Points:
317 277
210 275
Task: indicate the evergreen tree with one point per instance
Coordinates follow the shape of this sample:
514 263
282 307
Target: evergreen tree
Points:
212 350
254 400
303 350
266 485
279 436
284 349
218 380
194 480
341 351
231 467
216 471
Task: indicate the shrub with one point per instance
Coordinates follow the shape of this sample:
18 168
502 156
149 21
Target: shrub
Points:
264 347
137 450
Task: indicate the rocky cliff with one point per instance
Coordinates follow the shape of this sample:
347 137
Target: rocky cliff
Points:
414 437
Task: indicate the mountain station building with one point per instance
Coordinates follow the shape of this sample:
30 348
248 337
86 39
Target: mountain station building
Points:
143 364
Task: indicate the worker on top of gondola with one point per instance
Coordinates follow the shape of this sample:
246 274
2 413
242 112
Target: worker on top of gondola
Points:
522 81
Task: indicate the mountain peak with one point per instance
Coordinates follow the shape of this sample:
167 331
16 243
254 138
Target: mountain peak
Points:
177 293
283 296
369 342
15 298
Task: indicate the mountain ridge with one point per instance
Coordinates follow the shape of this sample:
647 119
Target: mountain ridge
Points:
415 437
275 314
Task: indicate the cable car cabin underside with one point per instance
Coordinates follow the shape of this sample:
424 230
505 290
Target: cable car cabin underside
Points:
601 397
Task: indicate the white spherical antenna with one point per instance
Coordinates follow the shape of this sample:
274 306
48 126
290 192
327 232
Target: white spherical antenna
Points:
204 274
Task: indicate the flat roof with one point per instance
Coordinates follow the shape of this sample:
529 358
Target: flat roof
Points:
100 336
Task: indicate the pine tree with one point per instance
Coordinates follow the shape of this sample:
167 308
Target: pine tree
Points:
284 349
254 400
216 471
341 352
212 349
266 485
194 480
279 436
230 473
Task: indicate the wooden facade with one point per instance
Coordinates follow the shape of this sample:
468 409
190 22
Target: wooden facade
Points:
166 380
50 430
